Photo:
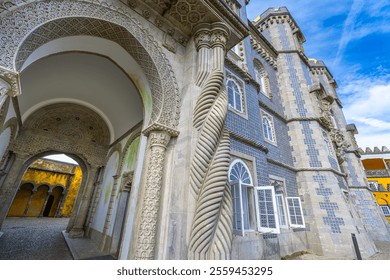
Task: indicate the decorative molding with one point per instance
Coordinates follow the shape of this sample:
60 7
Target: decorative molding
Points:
9 83
281 164
269 57
250 142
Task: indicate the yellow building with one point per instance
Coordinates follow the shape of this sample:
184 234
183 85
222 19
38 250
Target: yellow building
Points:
377 167
48 188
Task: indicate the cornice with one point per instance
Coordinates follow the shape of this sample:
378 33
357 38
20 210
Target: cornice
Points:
248 141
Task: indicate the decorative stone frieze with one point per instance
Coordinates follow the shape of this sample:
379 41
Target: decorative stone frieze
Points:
268 56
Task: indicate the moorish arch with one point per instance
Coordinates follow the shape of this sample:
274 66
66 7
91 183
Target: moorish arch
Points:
29 26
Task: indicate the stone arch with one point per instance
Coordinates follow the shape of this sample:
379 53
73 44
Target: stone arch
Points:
27 27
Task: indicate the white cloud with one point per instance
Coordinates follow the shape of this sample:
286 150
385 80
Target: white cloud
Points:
367 106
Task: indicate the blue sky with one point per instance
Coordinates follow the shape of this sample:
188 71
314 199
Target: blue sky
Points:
353 39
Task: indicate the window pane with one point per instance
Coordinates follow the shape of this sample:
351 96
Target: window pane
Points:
238 101
230 96
295 212
282 214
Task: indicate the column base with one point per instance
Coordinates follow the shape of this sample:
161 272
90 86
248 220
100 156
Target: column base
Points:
76 233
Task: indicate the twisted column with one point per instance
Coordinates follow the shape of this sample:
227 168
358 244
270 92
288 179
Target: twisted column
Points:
146 243
211 232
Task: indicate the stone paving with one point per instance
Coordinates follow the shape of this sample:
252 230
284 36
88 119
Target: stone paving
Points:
34 239
42 239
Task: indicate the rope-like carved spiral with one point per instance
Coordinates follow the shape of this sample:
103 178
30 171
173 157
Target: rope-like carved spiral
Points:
211 232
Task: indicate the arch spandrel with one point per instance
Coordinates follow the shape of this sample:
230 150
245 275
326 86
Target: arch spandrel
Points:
25 28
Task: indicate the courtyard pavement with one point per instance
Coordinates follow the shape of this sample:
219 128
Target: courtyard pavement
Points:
34 239
43 239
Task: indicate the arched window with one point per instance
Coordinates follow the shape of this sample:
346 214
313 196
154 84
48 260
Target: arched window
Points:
262 79
234 95
268 127
242 193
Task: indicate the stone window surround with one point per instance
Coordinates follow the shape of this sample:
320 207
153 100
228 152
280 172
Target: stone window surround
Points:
241 85
272 126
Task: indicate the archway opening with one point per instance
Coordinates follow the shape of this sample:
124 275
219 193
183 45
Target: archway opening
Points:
48 188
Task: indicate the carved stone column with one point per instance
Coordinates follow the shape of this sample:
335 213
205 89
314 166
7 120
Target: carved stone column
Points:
202 42
211 231
157 144
10 185
77 227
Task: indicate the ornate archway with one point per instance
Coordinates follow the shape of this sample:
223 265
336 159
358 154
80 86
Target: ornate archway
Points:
28 26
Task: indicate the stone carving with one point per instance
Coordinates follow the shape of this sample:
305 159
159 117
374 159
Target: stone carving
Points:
127 181
264 52
202 43
158 141
211 231
340 143
9 83
27 27
325 114
72 121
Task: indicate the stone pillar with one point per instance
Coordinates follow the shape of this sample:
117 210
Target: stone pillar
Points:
61 203
44 204
211 230
29 202
107 223
147 231
11 185
78 226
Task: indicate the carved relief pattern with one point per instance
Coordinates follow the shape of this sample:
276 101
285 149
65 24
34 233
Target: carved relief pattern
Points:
211 232
9 83
187 12
325 115
39 142
75 122
94 19
270 58
158 141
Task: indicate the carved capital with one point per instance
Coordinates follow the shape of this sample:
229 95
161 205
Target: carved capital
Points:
219 35
202 36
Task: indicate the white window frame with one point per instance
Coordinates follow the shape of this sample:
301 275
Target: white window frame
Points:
238 183
284 213
240 93
385 210
270 120
260 227
295 225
